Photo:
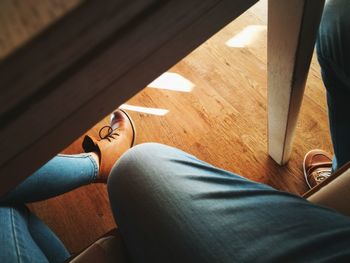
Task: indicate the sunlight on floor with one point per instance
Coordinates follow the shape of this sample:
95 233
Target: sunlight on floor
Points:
147 110
247 37
172 81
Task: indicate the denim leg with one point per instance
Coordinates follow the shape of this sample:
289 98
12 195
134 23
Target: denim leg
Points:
172 207
19 244
61 174
46 239
24 237
333 51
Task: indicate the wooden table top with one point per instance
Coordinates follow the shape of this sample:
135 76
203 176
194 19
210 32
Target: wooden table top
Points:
65 61
20 21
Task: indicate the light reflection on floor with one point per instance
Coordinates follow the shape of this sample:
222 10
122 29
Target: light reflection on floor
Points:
147 110
167 81
172 81
248 36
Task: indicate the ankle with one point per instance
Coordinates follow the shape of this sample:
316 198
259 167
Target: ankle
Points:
96 158
108 149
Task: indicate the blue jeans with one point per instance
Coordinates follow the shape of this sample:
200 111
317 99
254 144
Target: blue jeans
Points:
24 237
172 207
333 51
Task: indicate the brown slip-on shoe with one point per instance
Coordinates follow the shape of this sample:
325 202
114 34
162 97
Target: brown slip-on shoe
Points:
114 141
317 167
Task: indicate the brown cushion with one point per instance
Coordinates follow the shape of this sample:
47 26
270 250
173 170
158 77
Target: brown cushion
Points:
334 192
107 249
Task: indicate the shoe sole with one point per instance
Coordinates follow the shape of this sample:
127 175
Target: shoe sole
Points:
132 126
305 175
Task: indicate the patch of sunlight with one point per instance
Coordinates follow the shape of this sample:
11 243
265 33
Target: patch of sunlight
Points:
247 36
147 110
172 81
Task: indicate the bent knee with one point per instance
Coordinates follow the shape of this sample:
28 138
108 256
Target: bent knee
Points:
141 155
138 164
333 36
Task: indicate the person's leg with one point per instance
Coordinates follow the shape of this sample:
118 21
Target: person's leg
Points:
47 240
66 172
24 238
334 57
61 174
172 207
31 240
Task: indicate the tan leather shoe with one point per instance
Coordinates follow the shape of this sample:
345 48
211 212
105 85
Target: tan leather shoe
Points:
114 141
317 167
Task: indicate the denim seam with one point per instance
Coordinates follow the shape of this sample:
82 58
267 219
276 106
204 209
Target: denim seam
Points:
334 137
29 219
73 156
15 235
84 156
95 167
327 63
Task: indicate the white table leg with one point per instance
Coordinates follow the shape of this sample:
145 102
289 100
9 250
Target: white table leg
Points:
292 30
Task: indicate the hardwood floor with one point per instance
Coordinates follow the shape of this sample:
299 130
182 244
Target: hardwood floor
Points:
219 116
